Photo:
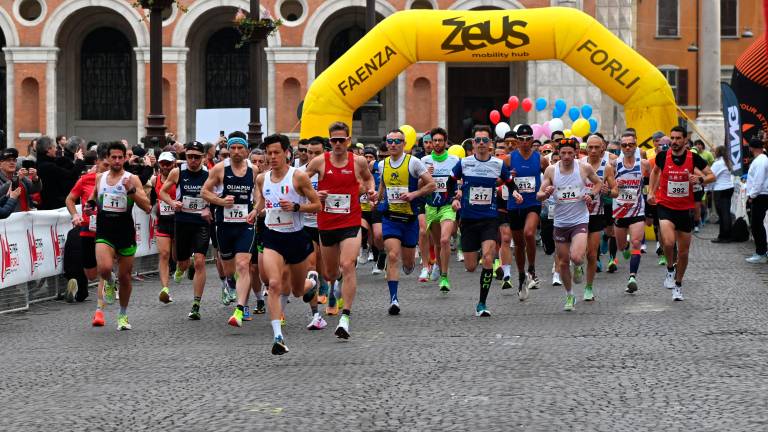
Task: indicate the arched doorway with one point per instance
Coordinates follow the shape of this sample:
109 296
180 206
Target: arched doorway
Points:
96 76
338 33
474 89
218 75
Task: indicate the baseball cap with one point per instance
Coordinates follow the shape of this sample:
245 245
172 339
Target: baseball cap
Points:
755 143
360 145
9 153
545 147
166 157
657 135
194 145
524 130
139 151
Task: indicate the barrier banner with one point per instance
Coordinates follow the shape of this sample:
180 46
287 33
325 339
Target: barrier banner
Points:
16 261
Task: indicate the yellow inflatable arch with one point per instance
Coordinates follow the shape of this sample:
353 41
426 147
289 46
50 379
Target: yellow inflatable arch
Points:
565 34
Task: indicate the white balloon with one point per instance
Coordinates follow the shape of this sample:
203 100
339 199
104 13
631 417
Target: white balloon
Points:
556 124
501 129
517 126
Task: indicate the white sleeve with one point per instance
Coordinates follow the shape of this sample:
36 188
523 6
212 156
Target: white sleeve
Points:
416 167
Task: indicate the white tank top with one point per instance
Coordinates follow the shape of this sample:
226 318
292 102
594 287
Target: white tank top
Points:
570 208
310 219
278 219
114 198
597 207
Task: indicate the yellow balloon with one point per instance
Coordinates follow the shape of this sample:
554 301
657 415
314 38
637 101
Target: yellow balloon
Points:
567 133
410 136
580 127
457 151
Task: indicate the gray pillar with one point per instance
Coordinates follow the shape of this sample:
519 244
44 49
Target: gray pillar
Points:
710 119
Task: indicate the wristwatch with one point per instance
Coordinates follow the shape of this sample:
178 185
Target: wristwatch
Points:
296 207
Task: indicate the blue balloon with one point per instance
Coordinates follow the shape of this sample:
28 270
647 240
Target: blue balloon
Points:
592 125
586 111
573 113
541 104
559 108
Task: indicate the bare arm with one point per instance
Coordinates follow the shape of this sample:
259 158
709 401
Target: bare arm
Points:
258 199
215 178
70 203
304 186
610 188
173 179
361 168
139 197
546 189
427 186
653 185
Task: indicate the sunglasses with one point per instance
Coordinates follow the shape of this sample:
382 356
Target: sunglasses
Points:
625 145
525 137
395 141
302 150
484 140
337 140
194 157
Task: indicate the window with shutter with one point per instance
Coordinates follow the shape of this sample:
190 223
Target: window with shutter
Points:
682 87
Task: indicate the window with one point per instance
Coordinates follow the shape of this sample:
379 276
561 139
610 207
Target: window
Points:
729 18
227 75
106 77
667 18
678 80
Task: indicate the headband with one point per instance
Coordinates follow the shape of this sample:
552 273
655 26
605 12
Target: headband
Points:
236 140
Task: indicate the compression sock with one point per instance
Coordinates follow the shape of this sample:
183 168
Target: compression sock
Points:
634 262
392 290
486 276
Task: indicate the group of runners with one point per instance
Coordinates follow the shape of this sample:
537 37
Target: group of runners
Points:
279 230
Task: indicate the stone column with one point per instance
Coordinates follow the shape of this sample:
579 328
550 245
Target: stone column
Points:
710 120
10 139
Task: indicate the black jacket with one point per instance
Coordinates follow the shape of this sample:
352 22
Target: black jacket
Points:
58 177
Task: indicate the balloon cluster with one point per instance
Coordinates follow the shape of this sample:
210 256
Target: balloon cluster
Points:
583 122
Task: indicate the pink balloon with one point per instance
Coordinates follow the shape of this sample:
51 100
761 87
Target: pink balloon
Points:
536 130
545 132
495 116
507 110
513 102
527 104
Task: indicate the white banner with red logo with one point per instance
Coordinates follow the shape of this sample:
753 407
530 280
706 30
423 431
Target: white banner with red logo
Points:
32 243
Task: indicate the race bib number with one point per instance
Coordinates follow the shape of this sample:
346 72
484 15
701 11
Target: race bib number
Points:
236 214
480 195
568 194
115 203
165 209
192 204
337 203
550 211
525 184
92 223
395 194
442 184
278 218
627 196
677 189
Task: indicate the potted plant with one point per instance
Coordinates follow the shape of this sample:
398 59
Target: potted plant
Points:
162 4
254 30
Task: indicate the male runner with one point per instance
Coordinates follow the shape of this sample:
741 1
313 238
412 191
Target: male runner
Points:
671 189
341 177
259 164
567 180
115 194
164 230
284 193
235 234
83 191
440 216
380 255
183 191
525 166
399 188
481 174
629 204
599 160
315 150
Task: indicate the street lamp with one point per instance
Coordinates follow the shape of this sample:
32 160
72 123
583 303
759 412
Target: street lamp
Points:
155 119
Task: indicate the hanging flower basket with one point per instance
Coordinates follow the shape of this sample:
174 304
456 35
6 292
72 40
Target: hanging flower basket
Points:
253 30
161 4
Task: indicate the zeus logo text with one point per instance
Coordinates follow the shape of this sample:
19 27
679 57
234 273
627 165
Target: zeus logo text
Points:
478 36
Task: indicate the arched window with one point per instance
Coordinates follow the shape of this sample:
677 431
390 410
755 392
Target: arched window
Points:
227 75
106 90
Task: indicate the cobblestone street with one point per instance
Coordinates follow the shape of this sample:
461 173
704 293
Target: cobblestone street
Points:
624 362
